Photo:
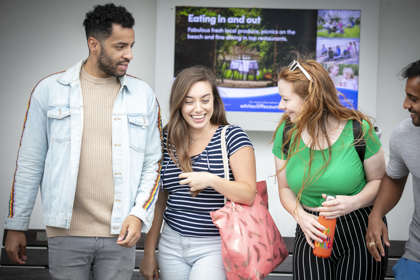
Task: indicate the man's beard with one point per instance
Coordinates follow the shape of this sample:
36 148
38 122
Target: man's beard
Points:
107 66
416 118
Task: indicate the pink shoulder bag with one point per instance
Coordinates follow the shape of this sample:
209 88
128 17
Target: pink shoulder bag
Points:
251 243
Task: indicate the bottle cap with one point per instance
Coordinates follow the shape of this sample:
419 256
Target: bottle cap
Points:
330 197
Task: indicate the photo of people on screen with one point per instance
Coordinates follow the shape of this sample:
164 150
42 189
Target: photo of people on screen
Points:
341 50
344 76
339 23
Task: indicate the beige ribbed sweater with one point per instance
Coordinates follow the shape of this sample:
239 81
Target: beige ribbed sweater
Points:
95 187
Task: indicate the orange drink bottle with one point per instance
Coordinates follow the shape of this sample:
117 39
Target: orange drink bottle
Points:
323 249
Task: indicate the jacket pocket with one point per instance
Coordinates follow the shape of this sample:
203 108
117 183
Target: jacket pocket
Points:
59 124
137 127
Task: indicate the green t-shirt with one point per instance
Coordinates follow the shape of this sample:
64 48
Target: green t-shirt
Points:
344 174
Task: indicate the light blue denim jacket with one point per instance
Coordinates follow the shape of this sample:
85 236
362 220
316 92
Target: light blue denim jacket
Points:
49 152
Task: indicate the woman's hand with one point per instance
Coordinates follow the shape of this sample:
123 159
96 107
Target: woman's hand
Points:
149 267
310 226
197 181
343 204
339 206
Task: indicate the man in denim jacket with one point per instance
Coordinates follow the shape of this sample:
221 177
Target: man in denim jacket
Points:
91 141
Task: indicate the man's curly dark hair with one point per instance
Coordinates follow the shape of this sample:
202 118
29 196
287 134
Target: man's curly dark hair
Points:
411 70
98 22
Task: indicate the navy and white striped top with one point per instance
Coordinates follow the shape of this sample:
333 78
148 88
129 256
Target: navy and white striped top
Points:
190 216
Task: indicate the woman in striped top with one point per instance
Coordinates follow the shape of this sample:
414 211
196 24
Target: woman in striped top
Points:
193 183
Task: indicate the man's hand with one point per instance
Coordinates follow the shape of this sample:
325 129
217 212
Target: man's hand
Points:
375 233
130 232
16 246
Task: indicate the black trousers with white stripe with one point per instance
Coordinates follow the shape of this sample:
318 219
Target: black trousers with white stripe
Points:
350 258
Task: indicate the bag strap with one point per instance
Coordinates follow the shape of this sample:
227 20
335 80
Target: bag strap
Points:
224 152
358 140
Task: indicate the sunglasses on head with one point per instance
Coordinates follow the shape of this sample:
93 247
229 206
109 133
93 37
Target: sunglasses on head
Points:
295 64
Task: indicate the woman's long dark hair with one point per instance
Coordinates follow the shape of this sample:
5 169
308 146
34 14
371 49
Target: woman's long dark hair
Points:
179 139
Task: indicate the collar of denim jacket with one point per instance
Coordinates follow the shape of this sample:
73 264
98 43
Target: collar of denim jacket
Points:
72 75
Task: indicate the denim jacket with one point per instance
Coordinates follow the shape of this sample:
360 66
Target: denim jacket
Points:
50 146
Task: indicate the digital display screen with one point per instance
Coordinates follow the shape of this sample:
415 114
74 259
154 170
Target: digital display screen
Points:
246 47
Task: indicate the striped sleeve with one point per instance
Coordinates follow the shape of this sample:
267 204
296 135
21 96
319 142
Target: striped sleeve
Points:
30 161
236 138
148 187
155 190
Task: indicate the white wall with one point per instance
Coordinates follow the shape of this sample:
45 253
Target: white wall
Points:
42 37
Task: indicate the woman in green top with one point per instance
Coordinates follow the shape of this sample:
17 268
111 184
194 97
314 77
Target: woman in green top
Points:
317 157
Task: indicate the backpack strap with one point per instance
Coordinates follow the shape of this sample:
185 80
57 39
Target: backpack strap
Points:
359 141
286 129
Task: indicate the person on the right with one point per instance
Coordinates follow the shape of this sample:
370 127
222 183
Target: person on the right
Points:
317 153
404 150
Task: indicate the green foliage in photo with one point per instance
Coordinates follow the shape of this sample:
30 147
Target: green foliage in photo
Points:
353 32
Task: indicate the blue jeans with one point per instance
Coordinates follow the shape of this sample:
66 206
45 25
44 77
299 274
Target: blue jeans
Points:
406 269
72 257
189 258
